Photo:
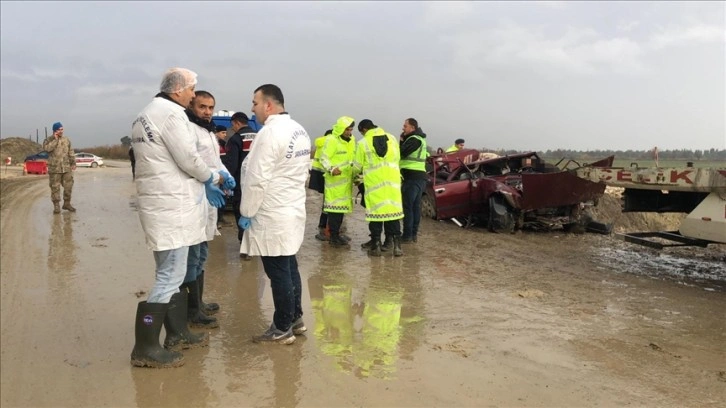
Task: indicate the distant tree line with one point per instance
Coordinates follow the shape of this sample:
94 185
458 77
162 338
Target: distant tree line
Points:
676 154
121 151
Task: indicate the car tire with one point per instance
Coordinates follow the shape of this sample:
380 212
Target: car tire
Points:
501 218
428 206
94 165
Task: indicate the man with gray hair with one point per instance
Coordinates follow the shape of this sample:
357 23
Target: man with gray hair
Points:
171 182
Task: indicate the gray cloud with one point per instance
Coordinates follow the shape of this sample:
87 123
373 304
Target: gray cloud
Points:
533 75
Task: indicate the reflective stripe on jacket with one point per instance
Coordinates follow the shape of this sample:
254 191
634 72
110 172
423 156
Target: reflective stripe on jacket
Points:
337 152
381 177
417 159
319 143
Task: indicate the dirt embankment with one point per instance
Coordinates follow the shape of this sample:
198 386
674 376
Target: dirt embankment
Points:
609 210
18 149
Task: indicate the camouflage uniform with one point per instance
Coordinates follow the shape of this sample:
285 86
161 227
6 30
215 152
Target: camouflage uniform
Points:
61 161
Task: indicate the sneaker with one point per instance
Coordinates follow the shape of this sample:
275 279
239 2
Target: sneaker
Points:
367 244
407 239
272 335
321 237
298 326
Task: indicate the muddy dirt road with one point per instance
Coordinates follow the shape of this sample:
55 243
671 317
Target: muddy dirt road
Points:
472 318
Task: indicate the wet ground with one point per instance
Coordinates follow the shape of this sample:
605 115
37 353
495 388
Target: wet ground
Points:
464 318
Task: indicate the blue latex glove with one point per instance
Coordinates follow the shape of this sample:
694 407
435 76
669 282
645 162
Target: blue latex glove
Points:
229 183
215 195
244 223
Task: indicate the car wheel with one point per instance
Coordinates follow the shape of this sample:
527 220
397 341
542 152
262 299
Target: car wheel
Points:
501 218
428 206
94 165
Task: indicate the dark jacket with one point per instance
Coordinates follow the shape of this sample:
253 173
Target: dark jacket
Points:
236 149
408 146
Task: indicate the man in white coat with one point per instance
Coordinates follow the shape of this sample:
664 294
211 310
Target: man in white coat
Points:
173 184
273 208
200 115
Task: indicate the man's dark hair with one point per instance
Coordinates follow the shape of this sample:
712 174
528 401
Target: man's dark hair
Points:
240 117
459 141
413 122
272 92
366 124
328 132
204 94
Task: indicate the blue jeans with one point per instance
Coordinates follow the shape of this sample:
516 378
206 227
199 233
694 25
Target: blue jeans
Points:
411 192
171 266
286 289
195 263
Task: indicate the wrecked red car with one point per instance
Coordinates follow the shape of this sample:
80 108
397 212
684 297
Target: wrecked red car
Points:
505 193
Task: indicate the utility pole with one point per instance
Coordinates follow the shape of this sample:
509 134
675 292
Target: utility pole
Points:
36 135
46 132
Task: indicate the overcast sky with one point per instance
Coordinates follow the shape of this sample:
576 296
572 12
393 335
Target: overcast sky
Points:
526 76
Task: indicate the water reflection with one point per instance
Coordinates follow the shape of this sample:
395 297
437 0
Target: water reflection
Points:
331 298
287 374
61 252
242 318
172 387
366 338
285 360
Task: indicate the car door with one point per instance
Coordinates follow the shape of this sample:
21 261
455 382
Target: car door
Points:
83 159
453 196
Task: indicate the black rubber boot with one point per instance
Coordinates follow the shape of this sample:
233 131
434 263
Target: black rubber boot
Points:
320 236
178 335
147 350
207 308
195 315
368 244
338 241
387 244
397 251
375 248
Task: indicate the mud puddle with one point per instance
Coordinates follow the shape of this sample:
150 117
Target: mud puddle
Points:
698 267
